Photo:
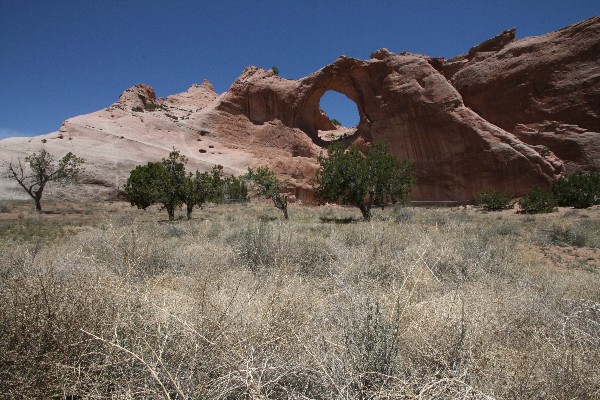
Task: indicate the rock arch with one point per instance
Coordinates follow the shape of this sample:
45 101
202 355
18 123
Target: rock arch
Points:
338 106
405 102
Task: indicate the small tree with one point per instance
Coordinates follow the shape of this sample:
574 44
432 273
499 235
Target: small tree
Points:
166 183
159 183
146 185
200 188
42 170
579 190
351 178
235 189
268 186
172 193
275 70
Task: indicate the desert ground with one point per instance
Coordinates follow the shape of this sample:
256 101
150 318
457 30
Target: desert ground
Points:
101 300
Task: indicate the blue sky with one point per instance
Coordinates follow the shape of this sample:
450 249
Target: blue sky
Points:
59 59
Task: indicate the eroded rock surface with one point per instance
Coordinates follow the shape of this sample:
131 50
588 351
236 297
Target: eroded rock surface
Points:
405 102
508 114
522 84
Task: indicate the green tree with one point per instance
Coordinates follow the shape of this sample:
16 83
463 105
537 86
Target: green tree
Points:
39 169
235 189
144 184
275 70
159 183
172 193
349 177
268 186
200 188
579 190
167 183
495 200
537 201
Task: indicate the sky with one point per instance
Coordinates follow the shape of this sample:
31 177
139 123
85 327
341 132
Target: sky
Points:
63 58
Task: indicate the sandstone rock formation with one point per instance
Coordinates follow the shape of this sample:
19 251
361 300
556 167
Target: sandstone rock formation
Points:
522 85
403 101
509 114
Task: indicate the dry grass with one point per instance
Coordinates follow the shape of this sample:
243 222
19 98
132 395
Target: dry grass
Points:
239 304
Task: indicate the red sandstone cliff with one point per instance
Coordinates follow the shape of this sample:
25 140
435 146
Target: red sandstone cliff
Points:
544 89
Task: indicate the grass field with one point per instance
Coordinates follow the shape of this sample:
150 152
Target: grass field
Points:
105 301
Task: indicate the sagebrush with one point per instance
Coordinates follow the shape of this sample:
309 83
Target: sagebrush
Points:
412 304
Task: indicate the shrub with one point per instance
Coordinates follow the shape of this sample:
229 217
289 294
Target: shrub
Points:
579 190
494 200
275 70
336 122
537 201
566 235
137 109
372 344
152 106
4 208
401 214
255 246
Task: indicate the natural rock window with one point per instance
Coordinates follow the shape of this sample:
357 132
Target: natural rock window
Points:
343 114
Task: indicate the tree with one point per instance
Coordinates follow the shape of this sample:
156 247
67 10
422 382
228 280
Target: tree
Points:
43 170
200 188
159 183
537 201
235 189
166 183
362 181
172 193
579 190
268 186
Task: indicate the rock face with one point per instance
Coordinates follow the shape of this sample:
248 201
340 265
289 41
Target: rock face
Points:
509 114
137 96
405 102
537 83
197 96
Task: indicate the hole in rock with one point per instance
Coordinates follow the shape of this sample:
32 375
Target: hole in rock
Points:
342 112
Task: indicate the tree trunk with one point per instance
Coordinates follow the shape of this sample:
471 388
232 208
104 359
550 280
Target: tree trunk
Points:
37 197
366 211
38 204
280 201
190 207
171 212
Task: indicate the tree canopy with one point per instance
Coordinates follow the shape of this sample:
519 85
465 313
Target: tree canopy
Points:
349 177
166 183
39 169
268 186
579 190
